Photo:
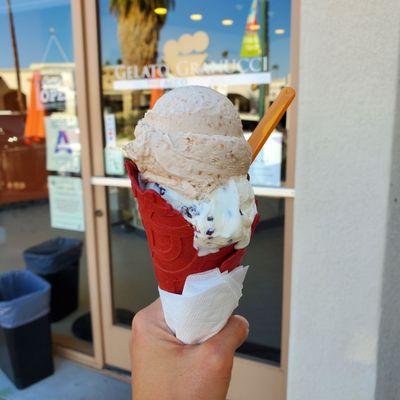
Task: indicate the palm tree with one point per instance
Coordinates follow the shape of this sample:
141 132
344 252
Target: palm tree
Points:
139 32
139 29
20 99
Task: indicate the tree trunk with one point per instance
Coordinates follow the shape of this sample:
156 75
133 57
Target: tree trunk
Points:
138 37
16 58
138 34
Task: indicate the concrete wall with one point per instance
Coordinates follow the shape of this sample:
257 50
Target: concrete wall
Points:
388 378
346 240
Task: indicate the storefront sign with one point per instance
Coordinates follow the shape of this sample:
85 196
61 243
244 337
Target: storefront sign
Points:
66 203
53 92
185 64
63 149
205 80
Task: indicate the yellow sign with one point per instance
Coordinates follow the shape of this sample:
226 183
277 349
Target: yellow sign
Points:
251 42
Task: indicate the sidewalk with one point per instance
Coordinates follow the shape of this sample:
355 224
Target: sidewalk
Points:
70 381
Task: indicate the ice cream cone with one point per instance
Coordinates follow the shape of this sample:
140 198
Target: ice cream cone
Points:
170 239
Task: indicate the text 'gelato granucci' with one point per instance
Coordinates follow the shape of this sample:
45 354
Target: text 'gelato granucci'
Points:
190 149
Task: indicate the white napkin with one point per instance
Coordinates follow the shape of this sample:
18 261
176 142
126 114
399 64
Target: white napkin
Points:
207 301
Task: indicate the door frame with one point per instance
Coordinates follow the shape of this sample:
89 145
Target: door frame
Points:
63 346
110 340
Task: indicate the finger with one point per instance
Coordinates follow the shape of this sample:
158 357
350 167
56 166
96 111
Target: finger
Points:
156 317
156 310
233 334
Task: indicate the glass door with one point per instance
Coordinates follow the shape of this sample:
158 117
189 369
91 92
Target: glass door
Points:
135 54
44 205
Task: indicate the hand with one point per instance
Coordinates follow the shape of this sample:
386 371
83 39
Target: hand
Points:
165 369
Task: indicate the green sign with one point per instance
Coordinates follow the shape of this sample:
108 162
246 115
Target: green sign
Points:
250 45
251 42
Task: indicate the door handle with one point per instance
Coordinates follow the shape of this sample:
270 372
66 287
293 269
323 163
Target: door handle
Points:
98 213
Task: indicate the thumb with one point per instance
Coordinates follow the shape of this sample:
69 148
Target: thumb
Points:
232 335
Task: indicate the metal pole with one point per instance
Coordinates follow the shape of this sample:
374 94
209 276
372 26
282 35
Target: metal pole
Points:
264 89
16 58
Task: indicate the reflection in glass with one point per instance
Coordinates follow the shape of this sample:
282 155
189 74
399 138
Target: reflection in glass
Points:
40 150
261 303
234 49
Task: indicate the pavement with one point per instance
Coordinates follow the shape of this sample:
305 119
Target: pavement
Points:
71 381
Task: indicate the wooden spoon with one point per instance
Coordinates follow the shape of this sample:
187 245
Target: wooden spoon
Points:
270 120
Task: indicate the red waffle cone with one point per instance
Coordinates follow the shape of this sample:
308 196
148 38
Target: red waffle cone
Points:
170 238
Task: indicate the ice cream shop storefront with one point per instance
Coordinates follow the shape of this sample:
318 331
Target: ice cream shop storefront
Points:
75 78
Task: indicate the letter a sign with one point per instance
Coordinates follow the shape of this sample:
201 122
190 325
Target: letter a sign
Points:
63 143
63 148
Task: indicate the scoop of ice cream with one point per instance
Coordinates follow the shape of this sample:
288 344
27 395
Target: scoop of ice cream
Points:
223 218
191 141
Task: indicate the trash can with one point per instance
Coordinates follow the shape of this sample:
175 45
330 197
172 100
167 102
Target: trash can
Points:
25 338
57 261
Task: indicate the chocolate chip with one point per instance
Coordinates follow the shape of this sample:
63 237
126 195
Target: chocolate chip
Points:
209 218
189 211
241 213
162 191
210 231
248 177
185 211
194 211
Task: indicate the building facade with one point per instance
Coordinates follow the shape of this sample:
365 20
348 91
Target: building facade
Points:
321 294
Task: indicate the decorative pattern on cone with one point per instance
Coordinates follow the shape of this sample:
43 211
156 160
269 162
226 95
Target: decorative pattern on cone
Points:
170 238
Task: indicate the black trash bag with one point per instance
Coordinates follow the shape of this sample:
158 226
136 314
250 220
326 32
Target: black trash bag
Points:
25 337
24 297
53 255
57 261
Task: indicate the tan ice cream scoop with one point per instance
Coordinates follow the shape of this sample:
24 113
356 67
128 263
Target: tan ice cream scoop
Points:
192 140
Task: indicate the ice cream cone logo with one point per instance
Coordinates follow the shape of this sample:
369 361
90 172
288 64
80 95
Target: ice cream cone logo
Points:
186 55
